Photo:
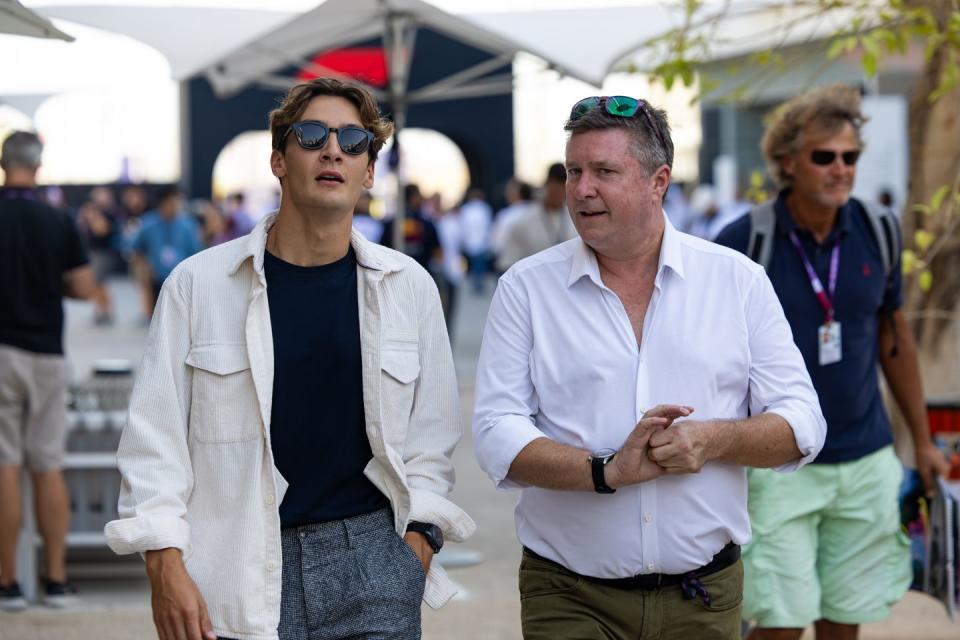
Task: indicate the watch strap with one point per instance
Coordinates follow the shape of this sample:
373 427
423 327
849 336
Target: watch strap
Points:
597 466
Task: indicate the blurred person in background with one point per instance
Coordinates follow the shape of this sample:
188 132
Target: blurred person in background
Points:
134 205
101 231
238 219
420 239
476 216
542 225
452 269
519 197
370 227
42 259
167 237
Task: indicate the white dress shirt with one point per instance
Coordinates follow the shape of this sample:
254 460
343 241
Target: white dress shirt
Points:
195 456
560 359
476 217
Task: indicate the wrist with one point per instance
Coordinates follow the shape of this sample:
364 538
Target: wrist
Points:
159 558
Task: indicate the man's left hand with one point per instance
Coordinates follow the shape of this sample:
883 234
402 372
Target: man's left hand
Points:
418 542
931 463
683 447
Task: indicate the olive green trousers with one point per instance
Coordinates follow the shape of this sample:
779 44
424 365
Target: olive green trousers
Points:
556 603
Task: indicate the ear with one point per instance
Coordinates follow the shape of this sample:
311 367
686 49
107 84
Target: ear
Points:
278 164
368 179
789 164
661 180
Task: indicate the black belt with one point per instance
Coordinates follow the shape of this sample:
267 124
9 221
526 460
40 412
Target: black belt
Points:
650 581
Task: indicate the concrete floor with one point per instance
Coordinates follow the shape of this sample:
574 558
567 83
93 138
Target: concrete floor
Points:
118 608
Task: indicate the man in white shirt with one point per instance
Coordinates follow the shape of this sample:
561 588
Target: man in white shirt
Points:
475 218
631 517
541 226
286 461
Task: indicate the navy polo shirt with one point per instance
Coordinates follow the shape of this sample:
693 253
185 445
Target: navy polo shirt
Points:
849 390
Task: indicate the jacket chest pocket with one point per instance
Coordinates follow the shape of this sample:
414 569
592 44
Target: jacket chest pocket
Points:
224 405
400 362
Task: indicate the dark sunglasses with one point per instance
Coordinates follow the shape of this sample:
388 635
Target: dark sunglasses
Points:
312 135
825 158
620 107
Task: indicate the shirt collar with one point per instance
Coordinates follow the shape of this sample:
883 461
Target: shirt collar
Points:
785 223
369 255
584 261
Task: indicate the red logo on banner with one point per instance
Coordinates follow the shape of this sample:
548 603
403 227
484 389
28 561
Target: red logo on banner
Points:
367 64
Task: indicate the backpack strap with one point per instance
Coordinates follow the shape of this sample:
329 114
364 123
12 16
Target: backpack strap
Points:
763 220
884 226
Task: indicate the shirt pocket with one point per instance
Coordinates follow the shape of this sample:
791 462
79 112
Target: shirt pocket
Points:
224 405
400 362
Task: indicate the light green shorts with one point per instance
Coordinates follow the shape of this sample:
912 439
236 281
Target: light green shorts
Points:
826 543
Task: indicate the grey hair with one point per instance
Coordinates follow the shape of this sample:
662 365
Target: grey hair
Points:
645 143
21 150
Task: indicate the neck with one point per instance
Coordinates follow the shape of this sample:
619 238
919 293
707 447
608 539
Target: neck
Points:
20 180
309 240
641 261
814 217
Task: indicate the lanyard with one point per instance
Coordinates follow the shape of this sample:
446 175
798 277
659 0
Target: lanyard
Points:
825 298
16 193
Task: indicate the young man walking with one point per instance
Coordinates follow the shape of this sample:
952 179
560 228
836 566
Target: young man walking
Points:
287 459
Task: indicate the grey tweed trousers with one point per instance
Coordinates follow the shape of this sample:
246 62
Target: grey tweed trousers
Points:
352 579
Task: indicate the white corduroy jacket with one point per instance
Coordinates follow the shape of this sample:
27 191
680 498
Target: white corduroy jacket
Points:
196 461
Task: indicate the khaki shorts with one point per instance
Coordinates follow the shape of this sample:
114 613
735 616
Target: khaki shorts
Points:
826 543
33 413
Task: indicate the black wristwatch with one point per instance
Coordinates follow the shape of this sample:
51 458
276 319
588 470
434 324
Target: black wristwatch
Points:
598 461
431 532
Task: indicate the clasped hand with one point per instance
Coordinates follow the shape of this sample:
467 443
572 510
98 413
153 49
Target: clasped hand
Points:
658 446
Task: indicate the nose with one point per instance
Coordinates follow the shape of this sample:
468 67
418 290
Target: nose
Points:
581 187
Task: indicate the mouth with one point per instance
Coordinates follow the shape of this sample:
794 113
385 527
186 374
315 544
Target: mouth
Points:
590 214
329 176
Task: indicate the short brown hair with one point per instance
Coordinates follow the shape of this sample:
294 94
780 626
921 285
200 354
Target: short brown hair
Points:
647 147
295 103
827 108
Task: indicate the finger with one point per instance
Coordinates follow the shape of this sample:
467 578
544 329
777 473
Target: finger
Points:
664 454
206 627
647 426
668 411
191 624
662 438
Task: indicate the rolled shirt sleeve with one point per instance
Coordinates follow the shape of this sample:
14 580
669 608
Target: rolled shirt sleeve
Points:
779 381
506 399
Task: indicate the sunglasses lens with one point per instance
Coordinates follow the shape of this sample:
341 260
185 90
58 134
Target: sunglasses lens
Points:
353 140
622 106
850 157
311 135
583 107
822 158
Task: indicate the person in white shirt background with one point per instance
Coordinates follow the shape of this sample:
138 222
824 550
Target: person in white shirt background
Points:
476 216
543 225
286 460
519 198
626 380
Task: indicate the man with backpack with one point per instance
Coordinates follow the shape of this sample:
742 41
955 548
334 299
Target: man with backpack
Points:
827 547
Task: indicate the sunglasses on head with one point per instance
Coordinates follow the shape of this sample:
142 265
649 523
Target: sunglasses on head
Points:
825 158
620 107
312 135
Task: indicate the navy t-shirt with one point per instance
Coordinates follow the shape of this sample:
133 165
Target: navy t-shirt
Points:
849 390
317 425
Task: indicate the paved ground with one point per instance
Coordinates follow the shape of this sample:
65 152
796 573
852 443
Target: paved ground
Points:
115 602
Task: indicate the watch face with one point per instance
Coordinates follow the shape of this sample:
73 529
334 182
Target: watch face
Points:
602 453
